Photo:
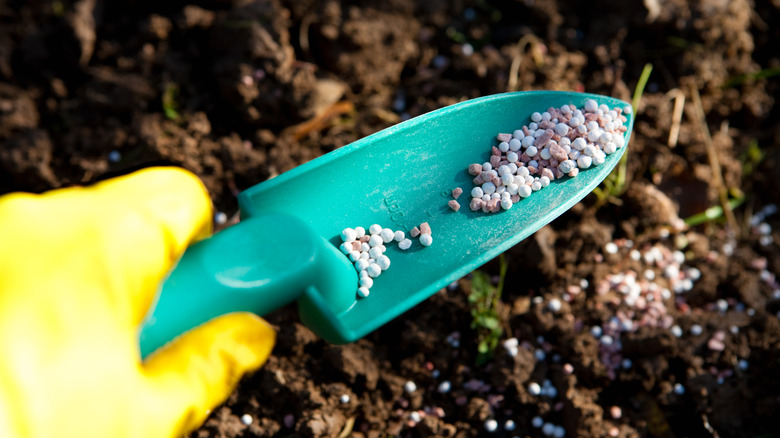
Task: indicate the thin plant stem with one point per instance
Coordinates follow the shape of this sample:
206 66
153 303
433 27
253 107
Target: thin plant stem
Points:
640 86
501 275
717 174
712 213
620 184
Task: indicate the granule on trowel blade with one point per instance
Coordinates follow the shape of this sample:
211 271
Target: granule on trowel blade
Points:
556 143
367 252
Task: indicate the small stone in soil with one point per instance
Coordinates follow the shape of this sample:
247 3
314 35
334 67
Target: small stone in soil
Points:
491 425
716 342
220 218
509 425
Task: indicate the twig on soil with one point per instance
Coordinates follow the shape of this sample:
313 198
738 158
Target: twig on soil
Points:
679 105
319 121
386 115
303 33
347 431
717 174
528 40
708 426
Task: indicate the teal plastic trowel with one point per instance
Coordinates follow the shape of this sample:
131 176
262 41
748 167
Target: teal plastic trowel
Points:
285 248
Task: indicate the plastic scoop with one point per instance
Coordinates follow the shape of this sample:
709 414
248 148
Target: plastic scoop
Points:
285 248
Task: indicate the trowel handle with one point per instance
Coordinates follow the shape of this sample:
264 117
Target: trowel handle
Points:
258 265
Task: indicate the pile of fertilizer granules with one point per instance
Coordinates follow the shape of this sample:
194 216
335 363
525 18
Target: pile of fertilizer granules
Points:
557 143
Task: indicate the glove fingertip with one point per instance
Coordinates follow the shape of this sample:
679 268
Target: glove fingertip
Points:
177 199
199 370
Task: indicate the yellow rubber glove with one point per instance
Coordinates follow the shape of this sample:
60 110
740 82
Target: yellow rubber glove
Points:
79 268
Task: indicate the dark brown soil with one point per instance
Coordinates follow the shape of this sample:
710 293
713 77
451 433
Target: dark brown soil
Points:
239 91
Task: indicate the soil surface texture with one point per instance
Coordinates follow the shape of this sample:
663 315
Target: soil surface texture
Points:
628 316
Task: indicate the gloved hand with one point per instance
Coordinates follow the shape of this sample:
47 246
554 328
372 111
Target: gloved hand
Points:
79 268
